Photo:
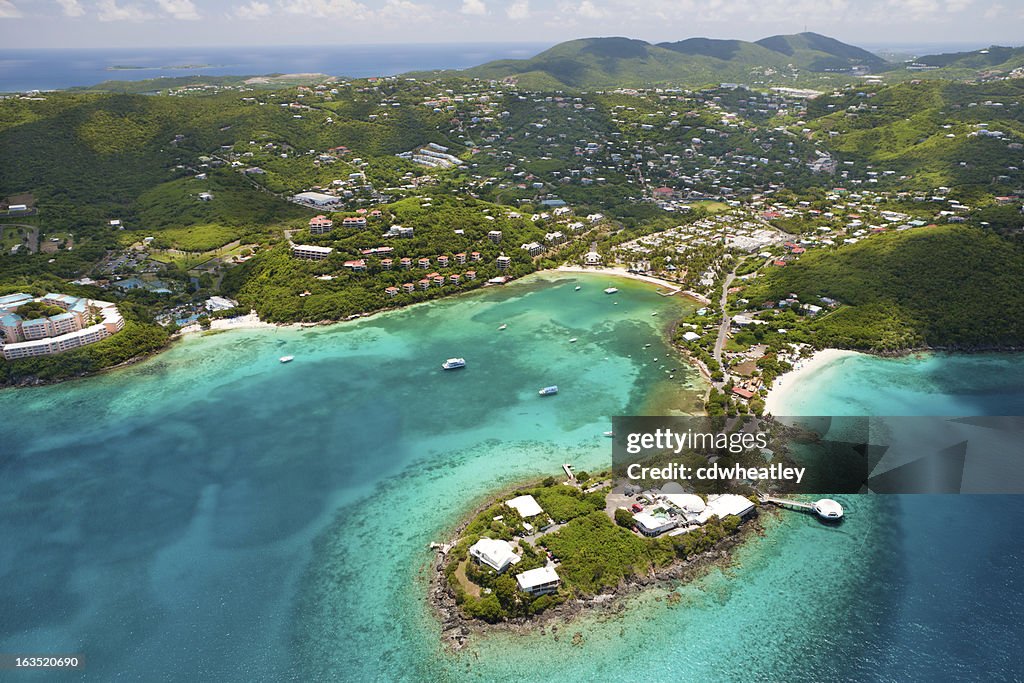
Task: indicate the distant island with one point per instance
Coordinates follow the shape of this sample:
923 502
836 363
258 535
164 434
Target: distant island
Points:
180 67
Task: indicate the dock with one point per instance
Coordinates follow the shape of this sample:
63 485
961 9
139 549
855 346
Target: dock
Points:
785 502
826 509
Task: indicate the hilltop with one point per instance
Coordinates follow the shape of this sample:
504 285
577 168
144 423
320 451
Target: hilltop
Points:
623 62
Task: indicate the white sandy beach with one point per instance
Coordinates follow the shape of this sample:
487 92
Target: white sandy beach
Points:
620 272
782 391
251 321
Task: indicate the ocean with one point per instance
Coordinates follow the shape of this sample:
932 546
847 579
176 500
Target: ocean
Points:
212 514
50 69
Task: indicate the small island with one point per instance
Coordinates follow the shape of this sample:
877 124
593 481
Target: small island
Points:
555 548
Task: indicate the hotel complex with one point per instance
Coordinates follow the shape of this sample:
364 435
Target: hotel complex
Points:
83 321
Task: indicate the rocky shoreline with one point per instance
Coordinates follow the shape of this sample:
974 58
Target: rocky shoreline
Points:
457 629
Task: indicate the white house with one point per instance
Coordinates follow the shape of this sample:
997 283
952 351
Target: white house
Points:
495 553
649 525
526 506
538 581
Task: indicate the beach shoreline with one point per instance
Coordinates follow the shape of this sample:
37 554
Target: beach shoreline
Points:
673 287
783 389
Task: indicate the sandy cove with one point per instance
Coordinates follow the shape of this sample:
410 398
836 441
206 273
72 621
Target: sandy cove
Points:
782 391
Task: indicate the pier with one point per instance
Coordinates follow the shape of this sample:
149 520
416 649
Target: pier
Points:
826 509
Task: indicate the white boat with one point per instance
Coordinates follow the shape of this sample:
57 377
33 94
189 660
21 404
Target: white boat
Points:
286 359
454 363
611 290
578 288
609 433
548 391
573 340
503 326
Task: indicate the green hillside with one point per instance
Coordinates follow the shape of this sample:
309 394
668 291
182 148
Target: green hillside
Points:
941 133
623 62
983 63
816 52
942 287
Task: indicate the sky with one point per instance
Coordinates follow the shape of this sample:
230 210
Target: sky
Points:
173 23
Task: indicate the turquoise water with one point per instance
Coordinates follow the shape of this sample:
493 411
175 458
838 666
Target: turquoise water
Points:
214 515
921 384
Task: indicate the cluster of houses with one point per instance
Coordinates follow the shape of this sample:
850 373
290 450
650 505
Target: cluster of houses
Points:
674 512
500 555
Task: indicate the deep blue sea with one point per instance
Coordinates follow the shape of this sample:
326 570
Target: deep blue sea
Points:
48 69
213 515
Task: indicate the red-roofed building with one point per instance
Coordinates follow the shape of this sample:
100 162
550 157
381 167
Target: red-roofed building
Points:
408 287
320 224
356 265
470 274
745 394
391 291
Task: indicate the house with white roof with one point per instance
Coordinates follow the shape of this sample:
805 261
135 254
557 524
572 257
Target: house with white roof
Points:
526 506
495 553
538 581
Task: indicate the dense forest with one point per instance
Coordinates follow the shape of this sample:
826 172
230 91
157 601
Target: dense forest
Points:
942 287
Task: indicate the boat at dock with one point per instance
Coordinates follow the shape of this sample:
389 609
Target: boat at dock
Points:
286 359
454 363
611 290
548 391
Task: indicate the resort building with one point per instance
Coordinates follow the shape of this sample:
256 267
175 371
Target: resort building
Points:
320 225
504 262
311 252
494 236
652 525
353 222
83 321
538 581
495 553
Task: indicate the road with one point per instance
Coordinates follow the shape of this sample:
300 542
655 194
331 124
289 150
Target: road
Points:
723 328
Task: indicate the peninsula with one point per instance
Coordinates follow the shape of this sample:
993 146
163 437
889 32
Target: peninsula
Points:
553 548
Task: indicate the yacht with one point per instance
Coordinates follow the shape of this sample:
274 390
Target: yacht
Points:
454 363
609 434
548 391
573 340
611 290
578 288
286 359
503 326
